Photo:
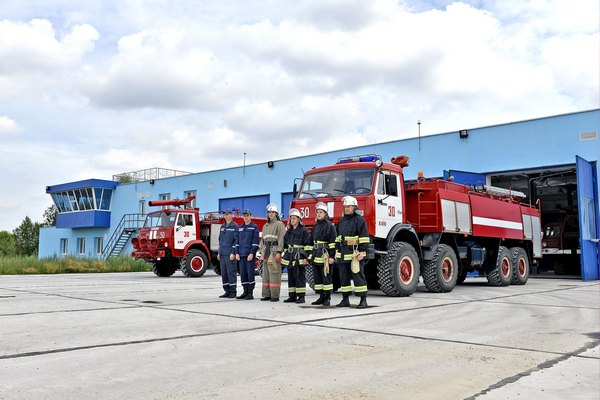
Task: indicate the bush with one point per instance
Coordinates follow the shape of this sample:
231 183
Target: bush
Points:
54 265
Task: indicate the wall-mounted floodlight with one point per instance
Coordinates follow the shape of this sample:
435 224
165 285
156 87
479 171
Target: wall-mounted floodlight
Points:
463 133
270 164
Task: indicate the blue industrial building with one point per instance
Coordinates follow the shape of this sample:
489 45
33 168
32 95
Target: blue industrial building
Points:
553 159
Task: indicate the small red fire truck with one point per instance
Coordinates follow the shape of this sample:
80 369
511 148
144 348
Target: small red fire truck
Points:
433 228
176 238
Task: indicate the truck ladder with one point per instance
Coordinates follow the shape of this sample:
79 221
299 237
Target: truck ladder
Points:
129 224
428 212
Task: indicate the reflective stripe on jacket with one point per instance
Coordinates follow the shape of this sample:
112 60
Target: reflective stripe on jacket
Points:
351 228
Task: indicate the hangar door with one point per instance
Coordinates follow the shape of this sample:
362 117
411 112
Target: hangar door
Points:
256 204
588 218
286 202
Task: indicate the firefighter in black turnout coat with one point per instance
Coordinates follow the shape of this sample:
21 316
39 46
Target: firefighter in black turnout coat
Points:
295 241
322 254
352 243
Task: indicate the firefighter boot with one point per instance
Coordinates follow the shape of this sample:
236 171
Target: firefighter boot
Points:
249 296
320 300
345 301
326 300
291 299
363 302
224 295
300 298
243 295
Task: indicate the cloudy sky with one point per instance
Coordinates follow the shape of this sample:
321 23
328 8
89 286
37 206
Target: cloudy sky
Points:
94 88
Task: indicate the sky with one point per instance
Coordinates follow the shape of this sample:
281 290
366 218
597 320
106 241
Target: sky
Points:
91 89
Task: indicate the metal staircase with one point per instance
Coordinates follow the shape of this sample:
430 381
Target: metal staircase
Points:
128 226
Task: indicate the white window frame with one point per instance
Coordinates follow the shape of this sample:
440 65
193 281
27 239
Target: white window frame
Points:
81 246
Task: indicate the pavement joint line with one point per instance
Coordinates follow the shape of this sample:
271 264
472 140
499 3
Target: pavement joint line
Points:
307 321
542 305
128 343
545 365
495 346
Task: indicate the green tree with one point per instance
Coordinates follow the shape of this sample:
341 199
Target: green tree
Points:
50 216
7 244
27 236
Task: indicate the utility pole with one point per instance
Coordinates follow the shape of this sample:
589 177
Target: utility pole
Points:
419 125
244 169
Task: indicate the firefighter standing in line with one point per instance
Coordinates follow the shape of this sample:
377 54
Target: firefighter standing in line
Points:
352 242
228 241
246 253
296 240
270 250
322 255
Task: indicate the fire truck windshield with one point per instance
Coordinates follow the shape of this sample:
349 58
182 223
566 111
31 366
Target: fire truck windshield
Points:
159 219
339 182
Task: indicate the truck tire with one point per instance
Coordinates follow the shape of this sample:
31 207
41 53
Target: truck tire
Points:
501 273
196 263
163 268
520 266
440 274
398 271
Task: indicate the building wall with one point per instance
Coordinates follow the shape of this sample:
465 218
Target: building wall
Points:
528 144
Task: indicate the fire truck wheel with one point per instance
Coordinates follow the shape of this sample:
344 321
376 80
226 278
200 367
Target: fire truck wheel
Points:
398 271
520 266
163 268
196 263
501 273
441 272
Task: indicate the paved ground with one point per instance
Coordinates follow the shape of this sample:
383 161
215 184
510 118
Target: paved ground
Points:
136 336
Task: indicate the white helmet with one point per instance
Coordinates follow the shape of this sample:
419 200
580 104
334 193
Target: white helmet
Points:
295 213
349 201
321 206
272 207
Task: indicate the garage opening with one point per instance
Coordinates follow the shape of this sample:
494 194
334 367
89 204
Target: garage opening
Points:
556 190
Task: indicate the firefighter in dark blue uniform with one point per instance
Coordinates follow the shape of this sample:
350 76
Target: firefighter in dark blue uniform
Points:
352 243
246 253
228 241
295 241
322 254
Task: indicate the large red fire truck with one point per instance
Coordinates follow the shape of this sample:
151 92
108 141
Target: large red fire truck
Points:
175 237
433 228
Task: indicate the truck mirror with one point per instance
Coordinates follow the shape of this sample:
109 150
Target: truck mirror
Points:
295 190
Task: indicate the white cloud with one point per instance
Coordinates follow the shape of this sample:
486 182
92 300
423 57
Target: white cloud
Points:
9 127
34 48
101 87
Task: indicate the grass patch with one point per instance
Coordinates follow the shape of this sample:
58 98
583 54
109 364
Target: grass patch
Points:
33 265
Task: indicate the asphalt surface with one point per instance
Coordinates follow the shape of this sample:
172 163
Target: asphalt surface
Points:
135 336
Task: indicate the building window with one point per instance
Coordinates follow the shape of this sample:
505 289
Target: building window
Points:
99 245
190 193
81 246
64 246
164 196
83 199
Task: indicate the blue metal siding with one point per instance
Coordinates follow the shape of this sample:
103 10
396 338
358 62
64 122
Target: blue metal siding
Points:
83 219
82 184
